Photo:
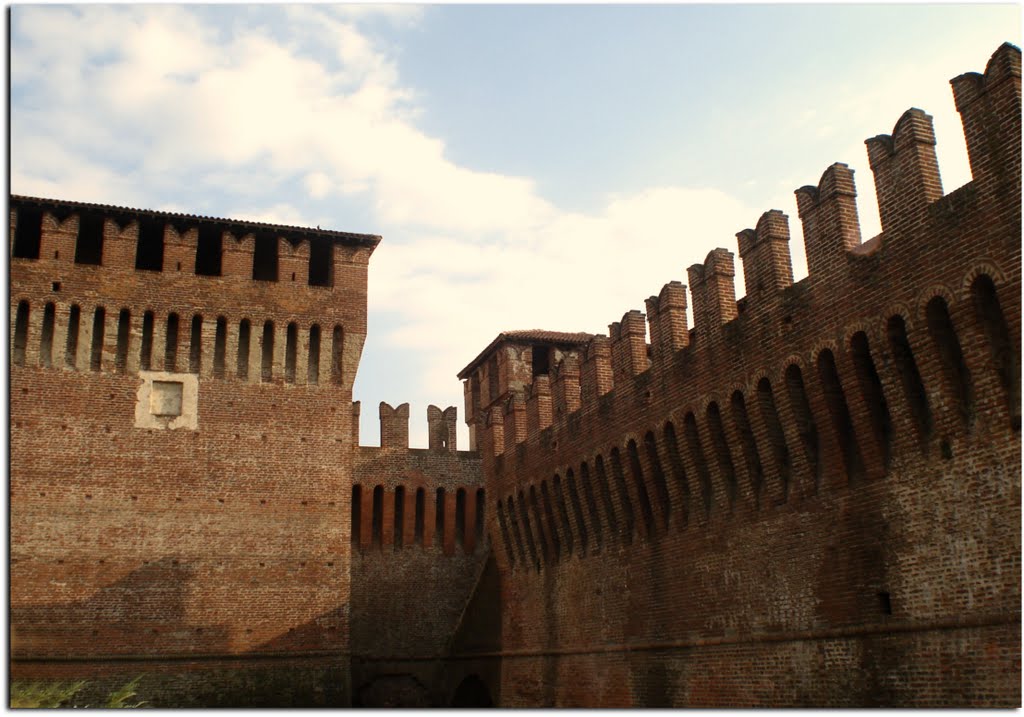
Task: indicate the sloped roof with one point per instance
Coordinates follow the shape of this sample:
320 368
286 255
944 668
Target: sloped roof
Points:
292 233
538 335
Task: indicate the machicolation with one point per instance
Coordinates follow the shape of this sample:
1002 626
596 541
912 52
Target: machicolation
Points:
809 498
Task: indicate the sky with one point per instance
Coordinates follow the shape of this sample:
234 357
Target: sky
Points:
528 166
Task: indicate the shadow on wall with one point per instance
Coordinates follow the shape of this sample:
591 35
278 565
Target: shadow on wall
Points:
142 613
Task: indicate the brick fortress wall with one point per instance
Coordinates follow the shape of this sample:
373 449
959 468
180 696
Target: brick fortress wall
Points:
418 550
181 452
813 496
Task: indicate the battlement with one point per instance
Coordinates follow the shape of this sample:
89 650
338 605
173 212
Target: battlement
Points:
797 393
65 233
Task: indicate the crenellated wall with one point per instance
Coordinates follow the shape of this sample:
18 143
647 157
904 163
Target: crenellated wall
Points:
181 454
418 551
812 497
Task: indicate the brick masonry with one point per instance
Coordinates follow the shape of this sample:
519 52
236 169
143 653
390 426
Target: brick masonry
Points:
811 498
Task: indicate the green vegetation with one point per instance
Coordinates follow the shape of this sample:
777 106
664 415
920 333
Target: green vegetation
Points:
61 694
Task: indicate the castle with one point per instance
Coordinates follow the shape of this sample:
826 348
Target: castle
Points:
810 498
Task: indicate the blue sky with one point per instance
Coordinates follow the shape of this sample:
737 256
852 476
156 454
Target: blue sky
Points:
528 166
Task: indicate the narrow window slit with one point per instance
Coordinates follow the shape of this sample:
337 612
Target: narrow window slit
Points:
46 338
71 346
171 344
220 347
290 351
460 517
146 349
267 348
99 320
399 522
439 518
313 368
123 331
244 337
377 517
20 334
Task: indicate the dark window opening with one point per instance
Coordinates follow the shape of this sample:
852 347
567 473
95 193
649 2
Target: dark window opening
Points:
220 347
741 420
209 250
874 396
357 513
955 371
267 349
419 518
675 462
20 334
885 602
98 323
313 367
658 477
591 501
377 518
321 263
89 247
399 522
480 505
264 258
989 315
910 377
71 347
123 331
835 400
460 516
806 428
290 351
625 503
776 436
28 232
336 358
541 359
149 249
696 451
439 517
244 337
146 349
195 345
636 470
46 340
171 345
